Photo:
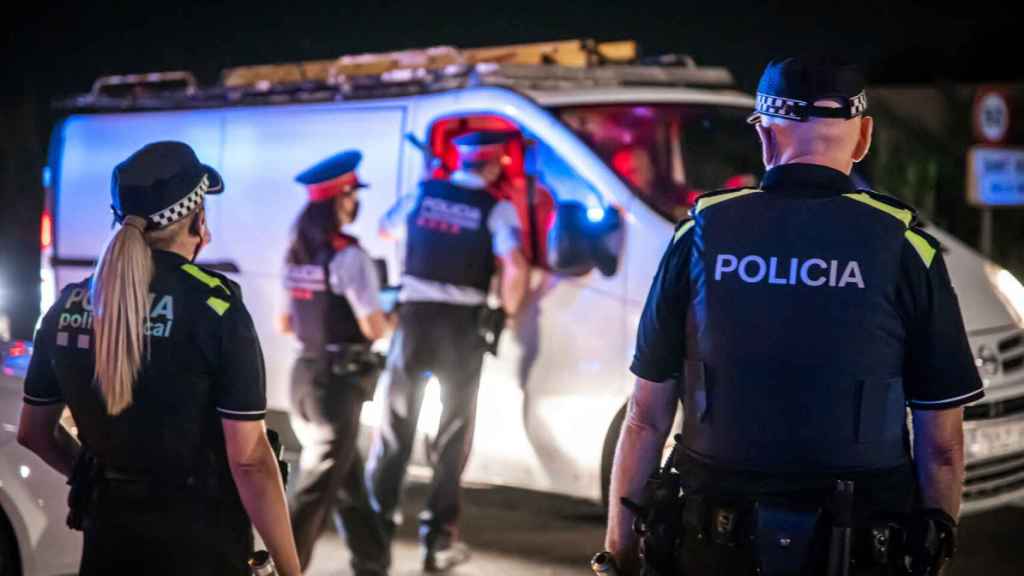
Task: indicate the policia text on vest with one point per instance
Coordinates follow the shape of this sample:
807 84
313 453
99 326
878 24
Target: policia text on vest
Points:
813 272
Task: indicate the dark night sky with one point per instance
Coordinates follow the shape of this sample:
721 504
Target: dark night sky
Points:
52 49
64 48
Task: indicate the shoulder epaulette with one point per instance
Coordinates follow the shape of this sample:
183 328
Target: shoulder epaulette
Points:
711 198
893 206
224 290
925 246
682 228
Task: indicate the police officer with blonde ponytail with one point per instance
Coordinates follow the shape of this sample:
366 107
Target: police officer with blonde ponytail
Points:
160 365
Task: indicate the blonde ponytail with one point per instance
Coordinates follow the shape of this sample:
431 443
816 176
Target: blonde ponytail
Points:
120 297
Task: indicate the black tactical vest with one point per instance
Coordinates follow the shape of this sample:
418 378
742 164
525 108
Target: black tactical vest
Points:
319 316
795 345
448 239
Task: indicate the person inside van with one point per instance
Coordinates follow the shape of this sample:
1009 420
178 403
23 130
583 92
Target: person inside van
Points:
161 367
335 313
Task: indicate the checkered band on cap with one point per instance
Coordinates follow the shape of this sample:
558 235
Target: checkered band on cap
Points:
183 207
781 107
858 104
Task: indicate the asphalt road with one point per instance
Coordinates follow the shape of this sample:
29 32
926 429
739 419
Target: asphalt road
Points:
519 533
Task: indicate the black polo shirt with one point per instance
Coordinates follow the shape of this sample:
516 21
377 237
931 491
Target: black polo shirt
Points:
203 364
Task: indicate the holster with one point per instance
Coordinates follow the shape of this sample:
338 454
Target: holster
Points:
783 536
275 445
659 524
662 525
83 482
355 365
490 325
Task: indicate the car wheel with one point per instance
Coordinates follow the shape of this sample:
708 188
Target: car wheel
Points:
611 441
10 561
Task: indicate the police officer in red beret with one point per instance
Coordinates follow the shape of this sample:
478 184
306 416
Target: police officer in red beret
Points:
335 313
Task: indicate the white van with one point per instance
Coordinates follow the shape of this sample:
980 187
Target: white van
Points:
631 144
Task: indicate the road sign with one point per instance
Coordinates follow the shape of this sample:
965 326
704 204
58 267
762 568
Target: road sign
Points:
995 176
991 116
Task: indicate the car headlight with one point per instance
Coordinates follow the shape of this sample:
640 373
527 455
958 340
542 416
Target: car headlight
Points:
1009 290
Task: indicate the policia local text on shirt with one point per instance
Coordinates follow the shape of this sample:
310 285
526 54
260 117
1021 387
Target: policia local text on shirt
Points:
795 322
159 363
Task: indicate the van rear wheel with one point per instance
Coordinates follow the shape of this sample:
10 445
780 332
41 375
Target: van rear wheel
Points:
10 561
611 441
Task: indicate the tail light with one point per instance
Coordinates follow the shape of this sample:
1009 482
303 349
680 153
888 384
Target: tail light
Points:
46 231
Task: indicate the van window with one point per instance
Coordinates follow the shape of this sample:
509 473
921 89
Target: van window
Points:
668 154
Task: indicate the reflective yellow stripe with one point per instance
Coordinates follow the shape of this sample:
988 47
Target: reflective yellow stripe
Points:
900 214
219 306
211 281
703 203
924 249
682 230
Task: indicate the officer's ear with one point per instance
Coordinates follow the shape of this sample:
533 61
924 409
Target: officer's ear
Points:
867 128
195 227
768 143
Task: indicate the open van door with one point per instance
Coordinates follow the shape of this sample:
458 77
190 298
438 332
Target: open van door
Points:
534 203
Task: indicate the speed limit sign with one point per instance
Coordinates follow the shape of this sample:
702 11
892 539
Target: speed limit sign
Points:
991 116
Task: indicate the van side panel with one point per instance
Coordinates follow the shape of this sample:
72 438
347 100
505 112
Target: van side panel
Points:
93 145
264 150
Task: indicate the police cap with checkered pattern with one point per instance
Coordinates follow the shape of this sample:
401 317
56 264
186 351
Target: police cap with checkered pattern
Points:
790 87
162 182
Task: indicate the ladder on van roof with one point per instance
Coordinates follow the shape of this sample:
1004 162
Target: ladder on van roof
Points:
562 65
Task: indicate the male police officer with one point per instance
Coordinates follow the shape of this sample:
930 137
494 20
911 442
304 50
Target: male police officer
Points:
454 229
795 322
335 313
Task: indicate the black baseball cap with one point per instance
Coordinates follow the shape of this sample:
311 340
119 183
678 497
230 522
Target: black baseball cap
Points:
789 87
162 182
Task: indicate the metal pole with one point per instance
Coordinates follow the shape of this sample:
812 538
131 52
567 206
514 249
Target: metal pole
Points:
986 232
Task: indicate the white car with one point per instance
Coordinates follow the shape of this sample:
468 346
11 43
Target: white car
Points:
34 539
630 145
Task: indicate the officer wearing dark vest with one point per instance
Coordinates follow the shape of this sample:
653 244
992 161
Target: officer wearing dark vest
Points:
796 322
160 365
335 313
454 231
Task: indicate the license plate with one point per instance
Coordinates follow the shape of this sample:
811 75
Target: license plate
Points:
995 441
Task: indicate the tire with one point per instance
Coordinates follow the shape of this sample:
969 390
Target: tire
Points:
10 560
611 441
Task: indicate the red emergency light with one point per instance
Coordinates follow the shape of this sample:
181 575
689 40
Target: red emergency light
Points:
46 231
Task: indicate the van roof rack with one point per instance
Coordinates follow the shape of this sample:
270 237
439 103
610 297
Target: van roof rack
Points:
559 65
